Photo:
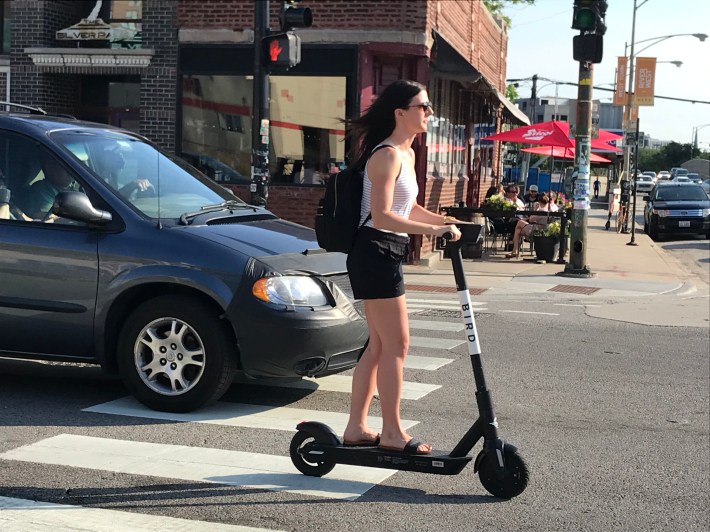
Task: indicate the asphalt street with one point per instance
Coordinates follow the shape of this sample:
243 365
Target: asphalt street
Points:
611 416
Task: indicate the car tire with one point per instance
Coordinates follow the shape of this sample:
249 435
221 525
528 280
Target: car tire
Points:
653 231
645 226
192 363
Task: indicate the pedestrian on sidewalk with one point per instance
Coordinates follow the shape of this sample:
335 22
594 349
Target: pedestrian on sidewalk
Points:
389 212
597 186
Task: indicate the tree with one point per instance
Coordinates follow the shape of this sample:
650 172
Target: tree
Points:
496 7
511 92
670 155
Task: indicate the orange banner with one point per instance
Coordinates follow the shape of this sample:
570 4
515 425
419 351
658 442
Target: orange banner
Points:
620 89
644 80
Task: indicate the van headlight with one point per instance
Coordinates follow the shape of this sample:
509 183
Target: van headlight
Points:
706 212
661 213
295 290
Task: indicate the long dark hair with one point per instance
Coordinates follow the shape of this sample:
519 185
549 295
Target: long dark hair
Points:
377 123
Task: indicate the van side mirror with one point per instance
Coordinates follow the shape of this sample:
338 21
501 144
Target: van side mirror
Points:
77 206
647 198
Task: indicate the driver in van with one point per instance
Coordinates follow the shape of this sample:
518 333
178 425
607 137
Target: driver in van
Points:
108 164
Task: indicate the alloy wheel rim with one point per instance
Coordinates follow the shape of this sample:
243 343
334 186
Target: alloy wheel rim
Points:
169 356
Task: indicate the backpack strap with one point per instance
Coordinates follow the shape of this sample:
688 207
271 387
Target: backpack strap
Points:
369 214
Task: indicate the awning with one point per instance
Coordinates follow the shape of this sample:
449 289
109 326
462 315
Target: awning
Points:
513 111
447 63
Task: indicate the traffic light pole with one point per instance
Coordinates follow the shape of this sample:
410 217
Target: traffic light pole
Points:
632 242
259 186
577 265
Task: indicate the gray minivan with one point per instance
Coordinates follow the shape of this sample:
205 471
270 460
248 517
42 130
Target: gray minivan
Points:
115 253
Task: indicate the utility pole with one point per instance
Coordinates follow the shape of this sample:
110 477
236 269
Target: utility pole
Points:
577 264
589 18
259 186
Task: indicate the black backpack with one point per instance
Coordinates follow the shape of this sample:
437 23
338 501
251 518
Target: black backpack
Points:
338 214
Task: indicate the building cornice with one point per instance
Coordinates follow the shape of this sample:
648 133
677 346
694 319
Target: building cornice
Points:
226 36
90 57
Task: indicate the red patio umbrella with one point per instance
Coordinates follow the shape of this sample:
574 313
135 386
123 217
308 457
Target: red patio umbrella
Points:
563 153
552 133
608 136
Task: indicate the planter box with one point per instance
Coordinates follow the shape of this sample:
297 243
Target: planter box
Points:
546 247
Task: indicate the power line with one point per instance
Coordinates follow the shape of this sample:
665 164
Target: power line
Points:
612 90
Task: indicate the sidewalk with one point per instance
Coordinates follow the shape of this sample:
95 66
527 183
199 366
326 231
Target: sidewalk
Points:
621 271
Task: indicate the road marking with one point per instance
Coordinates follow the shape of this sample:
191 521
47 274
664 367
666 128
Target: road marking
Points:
529 312
574 305
440 306
238 415
344 384
426 363
200 464
436 325
434 343
20 515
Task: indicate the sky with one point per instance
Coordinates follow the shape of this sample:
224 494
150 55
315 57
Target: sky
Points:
540 42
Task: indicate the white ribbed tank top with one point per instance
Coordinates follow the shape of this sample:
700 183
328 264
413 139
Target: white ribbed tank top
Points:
405 194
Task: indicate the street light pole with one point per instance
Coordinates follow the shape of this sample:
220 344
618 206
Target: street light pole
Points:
629 94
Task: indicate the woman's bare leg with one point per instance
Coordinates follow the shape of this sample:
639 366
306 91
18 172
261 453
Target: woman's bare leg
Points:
391 323
516 235
364 384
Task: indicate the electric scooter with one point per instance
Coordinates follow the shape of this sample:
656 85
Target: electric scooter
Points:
316 449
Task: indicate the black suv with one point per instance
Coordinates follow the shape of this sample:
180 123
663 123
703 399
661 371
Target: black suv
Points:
115 253
676 208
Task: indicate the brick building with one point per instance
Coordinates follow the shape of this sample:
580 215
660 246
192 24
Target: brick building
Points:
180 73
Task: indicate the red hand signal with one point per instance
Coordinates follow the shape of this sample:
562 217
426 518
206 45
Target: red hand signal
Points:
274 50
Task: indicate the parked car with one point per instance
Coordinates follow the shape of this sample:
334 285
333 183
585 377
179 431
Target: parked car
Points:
706 186
146 267
694 177
676 208
663 175
644 183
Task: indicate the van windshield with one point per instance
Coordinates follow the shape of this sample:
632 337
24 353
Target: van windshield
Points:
153 182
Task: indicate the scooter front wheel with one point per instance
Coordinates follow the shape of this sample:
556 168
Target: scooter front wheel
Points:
306 466
514 478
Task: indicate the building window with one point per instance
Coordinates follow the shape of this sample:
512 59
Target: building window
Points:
446 130
306 132
125 17
5 26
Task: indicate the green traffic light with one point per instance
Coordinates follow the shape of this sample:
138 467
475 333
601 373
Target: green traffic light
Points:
584 19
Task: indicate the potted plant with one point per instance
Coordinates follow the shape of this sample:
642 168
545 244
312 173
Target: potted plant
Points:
497 204
546 241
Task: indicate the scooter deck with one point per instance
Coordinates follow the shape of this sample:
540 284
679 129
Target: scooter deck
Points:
436 463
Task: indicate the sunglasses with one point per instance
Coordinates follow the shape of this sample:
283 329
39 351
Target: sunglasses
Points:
426 106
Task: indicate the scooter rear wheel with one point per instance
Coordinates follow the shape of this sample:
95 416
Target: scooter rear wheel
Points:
312 469
515 474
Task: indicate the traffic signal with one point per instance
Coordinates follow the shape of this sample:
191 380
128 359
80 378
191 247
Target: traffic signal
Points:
292 16
282 50
589 16
588 48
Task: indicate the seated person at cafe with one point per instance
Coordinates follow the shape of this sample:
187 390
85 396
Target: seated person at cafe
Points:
536 221
511 194
495 190
531 197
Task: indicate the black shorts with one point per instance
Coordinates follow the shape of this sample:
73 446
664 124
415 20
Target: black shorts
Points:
375 264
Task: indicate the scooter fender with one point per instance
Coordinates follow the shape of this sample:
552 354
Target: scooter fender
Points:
505 447
320 431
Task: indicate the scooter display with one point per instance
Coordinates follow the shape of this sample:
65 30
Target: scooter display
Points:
316 449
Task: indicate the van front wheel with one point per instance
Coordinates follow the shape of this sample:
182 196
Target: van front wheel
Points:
175 354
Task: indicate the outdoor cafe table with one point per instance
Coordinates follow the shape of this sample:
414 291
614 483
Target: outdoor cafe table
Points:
466 213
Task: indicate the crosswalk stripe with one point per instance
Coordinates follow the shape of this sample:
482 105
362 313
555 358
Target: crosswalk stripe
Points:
451 302
238 415
21 515
344 384
434 343
197 464
425 363
438 306
436 325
